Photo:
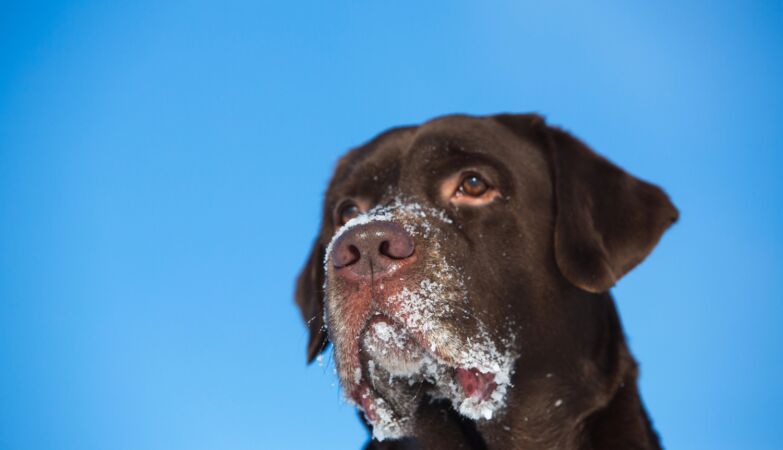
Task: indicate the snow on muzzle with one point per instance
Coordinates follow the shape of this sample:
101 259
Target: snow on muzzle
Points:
417 326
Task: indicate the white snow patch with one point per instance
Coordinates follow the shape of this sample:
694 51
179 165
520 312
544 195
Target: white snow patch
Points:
421 308
387 425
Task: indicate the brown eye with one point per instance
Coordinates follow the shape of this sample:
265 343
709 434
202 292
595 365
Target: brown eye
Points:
347 212
473 185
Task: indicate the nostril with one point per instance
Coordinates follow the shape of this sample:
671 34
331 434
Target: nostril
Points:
355 254
375 247
397 247
346 255
384 249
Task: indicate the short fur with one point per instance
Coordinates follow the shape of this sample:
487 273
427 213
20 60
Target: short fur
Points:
536 263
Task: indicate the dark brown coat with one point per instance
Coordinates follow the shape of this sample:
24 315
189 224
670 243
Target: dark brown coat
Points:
534 257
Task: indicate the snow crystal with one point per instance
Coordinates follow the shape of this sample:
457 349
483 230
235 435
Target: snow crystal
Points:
387 425
421 308
389 335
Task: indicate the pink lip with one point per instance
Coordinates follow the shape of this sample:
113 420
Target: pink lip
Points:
363 398
476 384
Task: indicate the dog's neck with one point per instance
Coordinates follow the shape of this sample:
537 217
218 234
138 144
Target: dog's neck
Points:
584 406
616 419
621 424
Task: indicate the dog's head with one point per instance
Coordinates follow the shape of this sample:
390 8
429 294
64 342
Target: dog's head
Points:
444 252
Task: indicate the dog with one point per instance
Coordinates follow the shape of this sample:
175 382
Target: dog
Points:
462 276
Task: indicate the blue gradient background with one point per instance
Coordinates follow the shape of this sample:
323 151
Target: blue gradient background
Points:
162 166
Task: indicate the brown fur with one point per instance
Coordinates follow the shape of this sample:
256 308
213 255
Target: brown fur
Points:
540 261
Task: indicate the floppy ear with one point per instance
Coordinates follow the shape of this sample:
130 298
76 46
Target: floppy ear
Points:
310 298
607 221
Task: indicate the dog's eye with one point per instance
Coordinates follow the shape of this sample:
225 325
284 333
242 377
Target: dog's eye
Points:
468 188
473 185
347 212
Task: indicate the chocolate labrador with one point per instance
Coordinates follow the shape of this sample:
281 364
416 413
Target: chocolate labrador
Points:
462 275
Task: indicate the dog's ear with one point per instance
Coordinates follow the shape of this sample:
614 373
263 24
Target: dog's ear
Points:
607 221
310 299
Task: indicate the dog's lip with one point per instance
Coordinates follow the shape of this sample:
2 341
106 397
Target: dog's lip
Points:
476 384
380 317
363 398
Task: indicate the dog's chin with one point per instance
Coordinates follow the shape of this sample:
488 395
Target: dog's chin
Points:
390 352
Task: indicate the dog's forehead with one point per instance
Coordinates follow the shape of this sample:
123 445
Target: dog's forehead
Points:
406 147
367 170
406 160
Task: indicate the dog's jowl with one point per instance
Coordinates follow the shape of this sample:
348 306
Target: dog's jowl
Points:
462 275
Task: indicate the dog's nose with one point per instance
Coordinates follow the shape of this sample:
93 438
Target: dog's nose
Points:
373 249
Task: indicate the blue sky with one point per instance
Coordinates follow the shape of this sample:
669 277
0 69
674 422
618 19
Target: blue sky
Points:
162 167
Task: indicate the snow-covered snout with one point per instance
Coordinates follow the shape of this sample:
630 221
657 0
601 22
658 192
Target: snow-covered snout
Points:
402 322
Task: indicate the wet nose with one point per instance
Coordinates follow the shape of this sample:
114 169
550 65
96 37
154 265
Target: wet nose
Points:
373 249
